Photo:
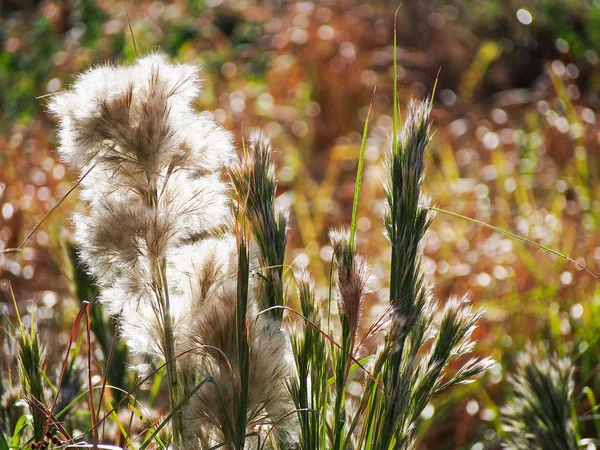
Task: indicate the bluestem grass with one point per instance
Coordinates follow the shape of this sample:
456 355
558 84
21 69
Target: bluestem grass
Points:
539 414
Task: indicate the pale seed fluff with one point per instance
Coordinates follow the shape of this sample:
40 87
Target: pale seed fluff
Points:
155 181
152 173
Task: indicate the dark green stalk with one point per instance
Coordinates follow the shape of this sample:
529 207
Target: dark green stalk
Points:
169 349
243 349
310 356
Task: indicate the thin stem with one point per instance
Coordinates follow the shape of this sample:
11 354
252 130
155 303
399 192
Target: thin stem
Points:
243 351
169 348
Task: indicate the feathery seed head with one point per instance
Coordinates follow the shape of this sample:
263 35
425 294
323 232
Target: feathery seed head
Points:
254 181
155 183
138 120
353 274
270 365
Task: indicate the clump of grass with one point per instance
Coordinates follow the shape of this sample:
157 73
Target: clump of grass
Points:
174 259
153 191
539 415
254 181
31 373
159 239
411 366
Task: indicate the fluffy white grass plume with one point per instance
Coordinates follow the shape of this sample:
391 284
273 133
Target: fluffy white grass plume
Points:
156 179
154 238
210 281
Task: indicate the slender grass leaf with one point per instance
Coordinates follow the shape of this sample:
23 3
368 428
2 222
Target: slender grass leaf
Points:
359 172
3 443
23 422
513 236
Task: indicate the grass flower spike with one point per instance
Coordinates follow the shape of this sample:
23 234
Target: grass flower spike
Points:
411 376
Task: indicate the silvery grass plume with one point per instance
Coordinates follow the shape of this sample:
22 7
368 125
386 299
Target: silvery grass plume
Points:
156 239
154 185
538 417
262 361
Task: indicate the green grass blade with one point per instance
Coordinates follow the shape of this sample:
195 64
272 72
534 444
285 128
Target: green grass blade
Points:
8 323
83 394
243 349
395 115
125 433
155 389
594 405
23 422
513 236
363 362
3 443
437 78
359 172
146 422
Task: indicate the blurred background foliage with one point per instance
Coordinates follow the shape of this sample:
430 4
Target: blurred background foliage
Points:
517 146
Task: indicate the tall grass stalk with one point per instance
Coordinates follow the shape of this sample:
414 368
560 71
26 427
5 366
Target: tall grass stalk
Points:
254 181
410 376
309 388
411 366
243 349
153 189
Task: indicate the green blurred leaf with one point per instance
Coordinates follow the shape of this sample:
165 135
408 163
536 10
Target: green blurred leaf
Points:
3 443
